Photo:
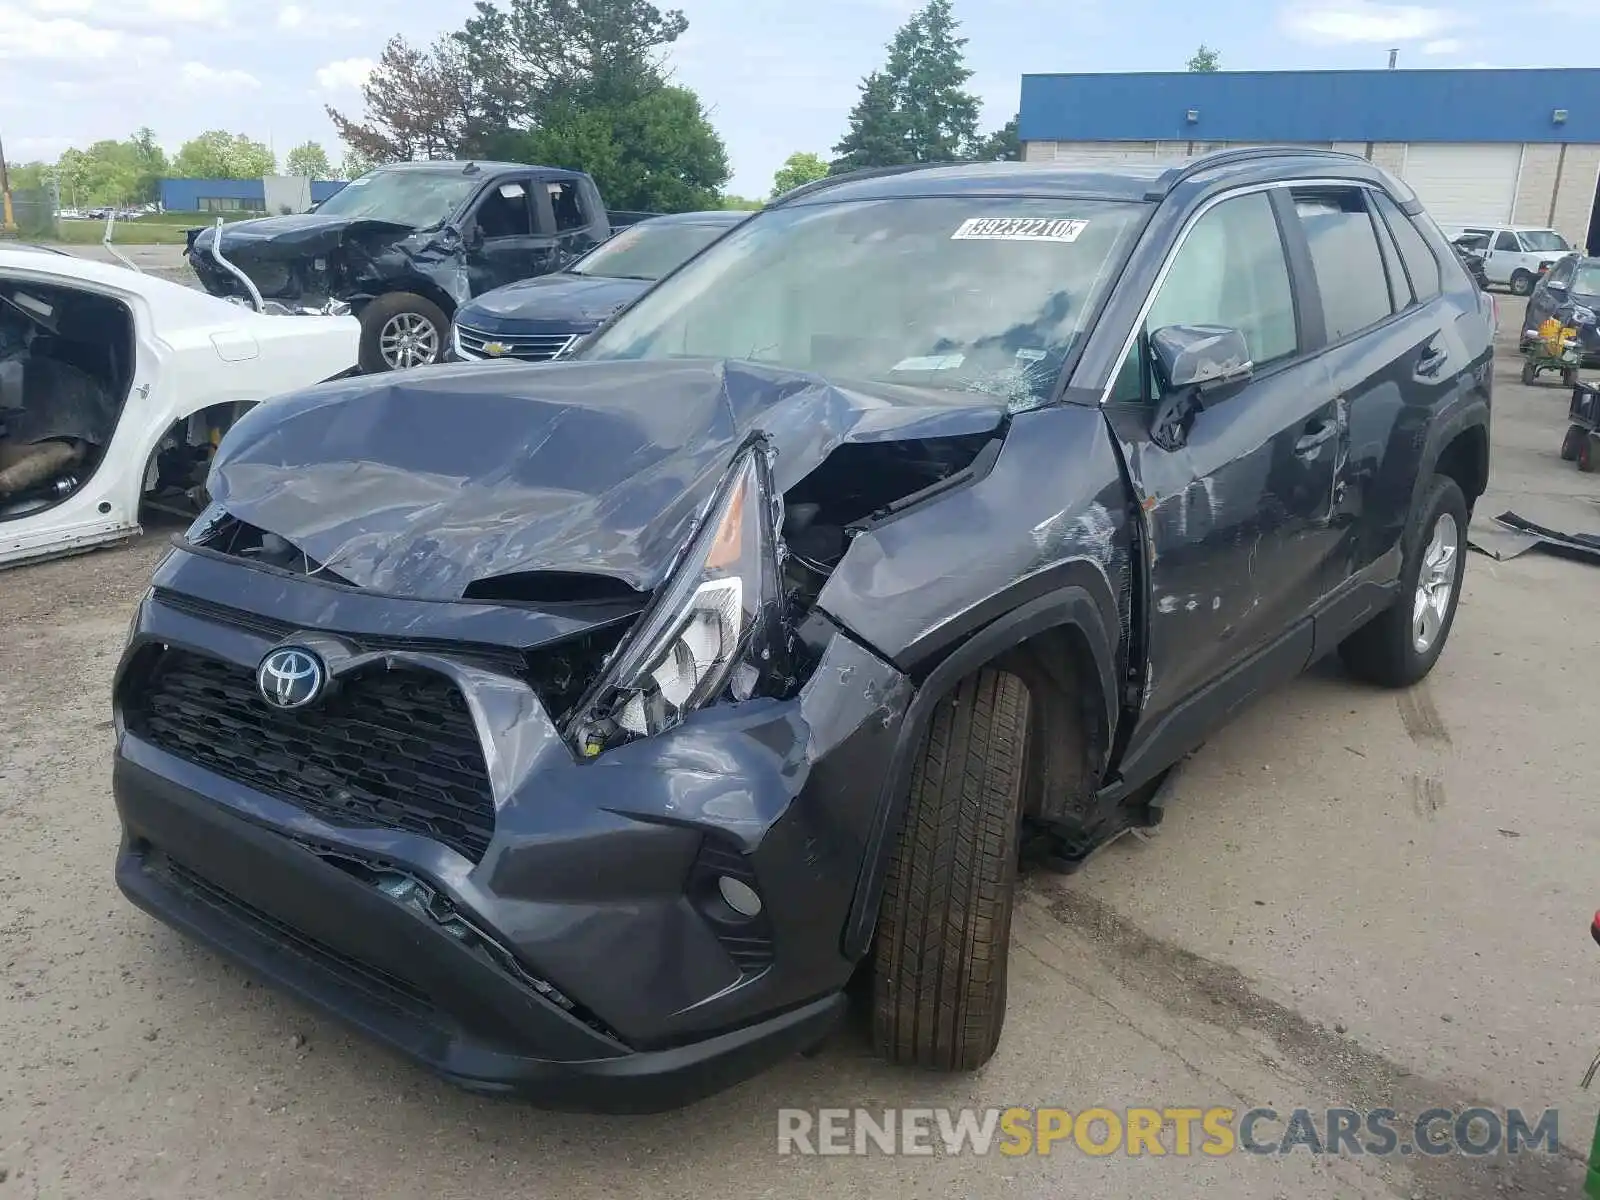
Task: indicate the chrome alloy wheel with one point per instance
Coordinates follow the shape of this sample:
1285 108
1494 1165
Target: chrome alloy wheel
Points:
1436 584
408 340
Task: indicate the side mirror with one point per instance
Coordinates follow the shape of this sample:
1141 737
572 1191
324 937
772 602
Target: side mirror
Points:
1199 356
1192 361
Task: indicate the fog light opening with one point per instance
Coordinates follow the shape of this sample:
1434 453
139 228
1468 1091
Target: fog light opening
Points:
739 896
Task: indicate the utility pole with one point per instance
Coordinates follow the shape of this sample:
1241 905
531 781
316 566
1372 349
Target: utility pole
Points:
8 222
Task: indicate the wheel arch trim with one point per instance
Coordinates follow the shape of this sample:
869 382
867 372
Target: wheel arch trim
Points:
1070 605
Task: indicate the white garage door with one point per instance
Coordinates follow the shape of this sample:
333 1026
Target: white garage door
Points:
1465 184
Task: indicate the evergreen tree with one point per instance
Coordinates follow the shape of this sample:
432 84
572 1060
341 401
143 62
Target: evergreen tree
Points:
1002 145
916 109
878 136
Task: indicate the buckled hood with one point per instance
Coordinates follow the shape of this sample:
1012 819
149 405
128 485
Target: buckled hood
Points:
422 483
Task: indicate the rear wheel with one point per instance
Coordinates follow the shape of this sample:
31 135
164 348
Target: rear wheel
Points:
1589 454
1400 645
939 972
1569 376
1573 442
1521 282
1529 372
401 330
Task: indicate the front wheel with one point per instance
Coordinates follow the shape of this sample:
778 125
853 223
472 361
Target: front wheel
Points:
1530 373
939 969
1400 645
401 330
1521 283
1589 454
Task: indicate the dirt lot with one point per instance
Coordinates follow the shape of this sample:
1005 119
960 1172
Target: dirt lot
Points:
1358 898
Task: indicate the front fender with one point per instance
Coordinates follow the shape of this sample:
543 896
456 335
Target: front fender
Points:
1069 604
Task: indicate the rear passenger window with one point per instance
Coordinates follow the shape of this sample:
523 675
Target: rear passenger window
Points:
1231 271
1508 241
1420 262
1399 285
1344 253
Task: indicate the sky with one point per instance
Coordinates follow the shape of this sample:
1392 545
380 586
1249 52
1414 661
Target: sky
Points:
776 76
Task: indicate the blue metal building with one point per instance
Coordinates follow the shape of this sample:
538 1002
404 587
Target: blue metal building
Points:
230 195
1517 146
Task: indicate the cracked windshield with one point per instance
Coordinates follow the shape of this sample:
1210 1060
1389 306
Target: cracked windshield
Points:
959 293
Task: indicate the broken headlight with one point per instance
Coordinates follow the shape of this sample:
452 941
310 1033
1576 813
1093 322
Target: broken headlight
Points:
713 631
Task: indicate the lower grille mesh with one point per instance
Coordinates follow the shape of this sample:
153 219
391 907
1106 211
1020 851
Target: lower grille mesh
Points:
390 749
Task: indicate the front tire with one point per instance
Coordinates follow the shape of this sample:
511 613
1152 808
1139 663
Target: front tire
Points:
1521 283
1530 373
1589 454
1399 646
939 969
401 330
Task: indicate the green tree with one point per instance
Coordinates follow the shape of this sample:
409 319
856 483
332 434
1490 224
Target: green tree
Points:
1205 60
1002 145
308 159
149 163
540 58
916 109
30 177
878 135
217 154
657 153
799 168
355 164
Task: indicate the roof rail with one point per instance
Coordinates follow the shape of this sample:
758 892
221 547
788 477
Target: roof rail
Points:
828 181
1221 158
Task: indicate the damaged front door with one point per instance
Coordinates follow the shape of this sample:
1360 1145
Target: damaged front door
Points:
1236 495
504 243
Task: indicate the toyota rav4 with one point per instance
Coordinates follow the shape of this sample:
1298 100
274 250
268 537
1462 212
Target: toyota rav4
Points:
581 729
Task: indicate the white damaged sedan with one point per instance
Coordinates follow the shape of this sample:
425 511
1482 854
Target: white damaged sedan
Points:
115 387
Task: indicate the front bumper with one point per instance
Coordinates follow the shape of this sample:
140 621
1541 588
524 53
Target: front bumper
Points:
596 974
296 921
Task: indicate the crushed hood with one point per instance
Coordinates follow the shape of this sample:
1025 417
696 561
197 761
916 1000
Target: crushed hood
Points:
290 237
424 482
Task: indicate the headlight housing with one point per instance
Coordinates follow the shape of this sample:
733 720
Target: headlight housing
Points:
713 631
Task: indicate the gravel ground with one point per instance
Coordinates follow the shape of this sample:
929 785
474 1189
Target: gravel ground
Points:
1358 897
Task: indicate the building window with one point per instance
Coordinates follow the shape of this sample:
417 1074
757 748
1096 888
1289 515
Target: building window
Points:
230 204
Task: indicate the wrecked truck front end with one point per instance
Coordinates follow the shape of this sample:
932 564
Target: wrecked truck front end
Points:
518 741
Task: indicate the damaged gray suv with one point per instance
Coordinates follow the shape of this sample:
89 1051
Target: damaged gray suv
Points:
581 730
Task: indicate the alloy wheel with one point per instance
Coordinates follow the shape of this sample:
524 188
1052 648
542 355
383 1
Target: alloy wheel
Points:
408 340
1436 584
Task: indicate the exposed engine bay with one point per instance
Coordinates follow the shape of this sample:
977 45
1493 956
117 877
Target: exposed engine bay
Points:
67 361
471 489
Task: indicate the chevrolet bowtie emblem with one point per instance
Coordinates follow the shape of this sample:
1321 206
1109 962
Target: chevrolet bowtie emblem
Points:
496 349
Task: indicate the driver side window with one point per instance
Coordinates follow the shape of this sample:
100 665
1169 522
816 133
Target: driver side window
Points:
504 212
1229 271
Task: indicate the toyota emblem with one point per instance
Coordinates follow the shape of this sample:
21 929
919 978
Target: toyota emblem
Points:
290 677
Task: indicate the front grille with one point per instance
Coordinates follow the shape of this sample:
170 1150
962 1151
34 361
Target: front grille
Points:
529 347
389 749
502 659
373 982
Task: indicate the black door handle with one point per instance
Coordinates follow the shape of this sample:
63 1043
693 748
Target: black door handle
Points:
1317 432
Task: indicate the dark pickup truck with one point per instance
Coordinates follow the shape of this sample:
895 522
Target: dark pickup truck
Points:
406 244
